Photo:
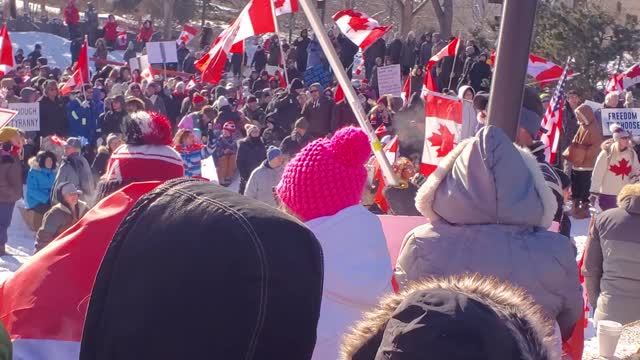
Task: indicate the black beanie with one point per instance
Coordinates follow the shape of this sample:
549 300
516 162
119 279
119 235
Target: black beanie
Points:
296 84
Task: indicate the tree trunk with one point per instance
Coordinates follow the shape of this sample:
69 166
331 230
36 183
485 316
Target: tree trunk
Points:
444 14
167 10
406 21
205 3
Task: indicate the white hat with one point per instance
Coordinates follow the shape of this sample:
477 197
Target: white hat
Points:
618 132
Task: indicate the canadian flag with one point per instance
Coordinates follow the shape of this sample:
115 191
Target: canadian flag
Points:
543 70
43 321
81 74
6 52
625 80
251 21
188 33
6 115
443 127
406 91
191 84
391 152
147 74
121 40
449 50
282 7
359 28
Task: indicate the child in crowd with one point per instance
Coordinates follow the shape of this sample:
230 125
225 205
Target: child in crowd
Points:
224 152
39 185
322 186
381 114
191 151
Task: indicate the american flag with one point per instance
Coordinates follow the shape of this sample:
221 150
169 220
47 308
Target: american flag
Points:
552 120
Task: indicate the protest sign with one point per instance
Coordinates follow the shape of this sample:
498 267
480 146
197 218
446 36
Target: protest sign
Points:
6 115
628 119
389 80
139 63
28 117
162 52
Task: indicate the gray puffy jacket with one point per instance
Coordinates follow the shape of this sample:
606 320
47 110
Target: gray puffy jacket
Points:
492 220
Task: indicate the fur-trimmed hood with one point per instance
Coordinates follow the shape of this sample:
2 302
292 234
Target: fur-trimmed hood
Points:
528 327
629 198
488 180
33 163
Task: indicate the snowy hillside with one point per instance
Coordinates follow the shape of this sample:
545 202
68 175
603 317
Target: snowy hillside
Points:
55 48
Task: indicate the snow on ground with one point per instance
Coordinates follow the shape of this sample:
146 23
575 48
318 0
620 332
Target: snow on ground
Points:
55 48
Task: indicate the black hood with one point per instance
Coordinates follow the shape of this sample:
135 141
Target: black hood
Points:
198 272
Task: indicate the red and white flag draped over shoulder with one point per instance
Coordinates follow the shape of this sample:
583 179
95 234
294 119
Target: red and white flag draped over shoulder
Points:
44 310
359 28
187 34
81 74
443 127
449 50
539 68
253 20
625 80
282 7
6 52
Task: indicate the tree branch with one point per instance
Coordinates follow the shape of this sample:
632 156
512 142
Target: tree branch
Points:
420 6
400 3
376 14
437 8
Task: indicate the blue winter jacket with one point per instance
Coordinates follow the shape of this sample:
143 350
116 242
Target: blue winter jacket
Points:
39 185
82 119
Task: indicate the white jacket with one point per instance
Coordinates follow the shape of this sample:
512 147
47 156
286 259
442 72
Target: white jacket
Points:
357 272
614 169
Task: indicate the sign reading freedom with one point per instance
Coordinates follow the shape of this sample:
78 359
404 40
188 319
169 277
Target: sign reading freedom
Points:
28 117
628 119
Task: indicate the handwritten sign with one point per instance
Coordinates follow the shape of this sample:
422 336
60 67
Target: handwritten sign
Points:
389 80
628 119
28 117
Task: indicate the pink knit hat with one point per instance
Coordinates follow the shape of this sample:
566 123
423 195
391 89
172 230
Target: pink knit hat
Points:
327 175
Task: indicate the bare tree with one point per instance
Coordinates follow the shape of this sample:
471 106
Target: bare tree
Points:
408 10
444 14
168 16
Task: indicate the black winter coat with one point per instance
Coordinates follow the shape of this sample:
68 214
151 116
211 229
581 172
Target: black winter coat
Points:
251 153
292 144
112 122
394 51
320 117
238 291
259 60
287 111
53 118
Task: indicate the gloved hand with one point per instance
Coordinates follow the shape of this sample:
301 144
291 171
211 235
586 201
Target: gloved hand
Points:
593 199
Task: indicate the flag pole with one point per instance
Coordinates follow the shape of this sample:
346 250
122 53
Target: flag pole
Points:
349 92
284 62
455 60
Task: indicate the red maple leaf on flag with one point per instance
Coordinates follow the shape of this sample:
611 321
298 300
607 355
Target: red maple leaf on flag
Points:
634 72
444 140
623 168
279 3
359 23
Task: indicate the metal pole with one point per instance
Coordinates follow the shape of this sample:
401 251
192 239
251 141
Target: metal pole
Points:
507 88
455 60
349 92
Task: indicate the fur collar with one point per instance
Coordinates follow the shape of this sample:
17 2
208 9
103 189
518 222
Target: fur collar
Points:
529 326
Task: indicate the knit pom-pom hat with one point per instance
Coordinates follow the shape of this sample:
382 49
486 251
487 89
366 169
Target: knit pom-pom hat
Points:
326 176
143 128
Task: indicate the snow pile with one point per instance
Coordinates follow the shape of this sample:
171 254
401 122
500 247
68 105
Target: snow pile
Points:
56 49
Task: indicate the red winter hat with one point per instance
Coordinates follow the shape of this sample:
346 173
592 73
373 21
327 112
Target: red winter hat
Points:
327 176
198 99
229 126
145 156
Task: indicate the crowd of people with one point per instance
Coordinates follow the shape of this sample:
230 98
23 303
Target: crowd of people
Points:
494 207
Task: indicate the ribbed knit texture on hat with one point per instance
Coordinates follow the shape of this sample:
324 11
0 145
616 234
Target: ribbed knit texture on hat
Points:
326 176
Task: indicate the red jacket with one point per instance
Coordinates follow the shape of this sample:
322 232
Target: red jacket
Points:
145 33
71 15
110 31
